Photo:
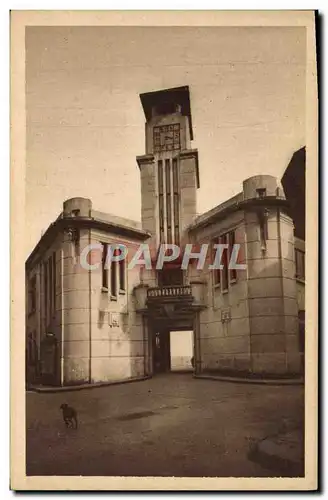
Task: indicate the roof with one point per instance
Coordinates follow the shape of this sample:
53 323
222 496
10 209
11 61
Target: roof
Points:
176 95
234 204
208 217
99 220
117 220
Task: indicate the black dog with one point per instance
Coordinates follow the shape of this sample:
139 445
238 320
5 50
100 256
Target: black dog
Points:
69 416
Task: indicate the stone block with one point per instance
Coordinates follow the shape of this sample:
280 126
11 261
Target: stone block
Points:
288 268
289 288
290 305
266 307
76 316
270 363
265 287
291 325
233 345
76 348
267 324
268 343
238 327
263 268
294 362
254 250
76 299
292 344
287 250
76 370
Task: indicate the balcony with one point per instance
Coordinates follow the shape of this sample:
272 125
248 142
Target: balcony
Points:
169 293
183 296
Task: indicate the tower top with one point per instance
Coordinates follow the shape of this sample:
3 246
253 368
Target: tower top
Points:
167 101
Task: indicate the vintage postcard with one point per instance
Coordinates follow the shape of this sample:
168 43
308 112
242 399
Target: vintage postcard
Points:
164 223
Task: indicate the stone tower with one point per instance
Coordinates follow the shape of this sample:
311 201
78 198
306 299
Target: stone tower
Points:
169 173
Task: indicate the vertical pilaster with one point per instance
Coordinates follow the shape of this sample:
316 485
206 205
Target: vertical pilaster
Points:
188 173
76 344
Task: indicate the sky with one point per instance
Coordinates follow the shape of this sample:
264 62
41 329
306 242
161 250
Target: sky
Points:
85 123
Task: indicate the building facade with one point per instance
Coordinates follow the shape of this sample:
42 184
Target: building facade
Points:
90 319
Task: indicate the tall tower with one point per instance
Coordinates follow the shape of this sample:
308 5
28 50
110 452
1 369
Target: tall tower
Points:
169 172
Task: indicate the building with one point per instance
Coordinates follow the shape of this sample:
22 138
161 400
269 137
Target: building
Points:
88 324
293 182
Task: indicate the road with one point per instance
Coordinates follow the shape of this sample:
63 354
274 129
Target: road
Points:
171 425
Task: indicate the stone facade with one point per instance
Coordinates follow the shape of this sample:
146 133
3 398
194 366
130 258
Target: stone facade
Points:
89 325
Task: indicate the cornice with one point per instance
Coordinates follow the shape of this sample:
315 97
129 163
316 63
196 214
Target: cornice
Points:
252 204
65 223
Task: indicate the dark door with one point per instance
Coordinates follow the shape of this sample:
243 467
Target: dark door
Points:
161 352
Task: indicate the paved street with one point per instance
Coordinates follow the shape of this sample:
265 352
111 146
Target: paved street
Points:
171 425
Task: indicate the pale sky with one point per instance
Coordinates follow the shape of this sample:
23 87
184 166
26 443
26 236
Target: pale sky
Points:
85 123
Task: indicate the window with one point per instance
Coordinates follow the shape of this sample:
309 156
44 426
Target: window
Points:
217 272
113 278
225 263
49 287
75 213
121 265
300 264
161 200
231 242
176 200
104 270
263 224
261 192
225 277
168 199
263 233
32 295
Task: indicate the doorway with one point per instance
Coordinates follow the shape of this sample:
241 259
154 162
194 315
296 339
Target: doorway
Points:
181 350
173 350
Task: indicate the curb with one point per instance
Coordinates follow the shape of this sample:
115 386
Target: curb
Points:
294 381
283 466
67 388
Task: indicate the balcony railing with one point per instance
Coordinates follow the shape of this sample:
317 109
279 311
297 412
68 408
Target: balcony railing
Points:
170 292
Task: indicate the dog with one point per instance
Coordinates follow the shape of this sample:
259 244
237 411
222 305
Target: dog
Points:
69 416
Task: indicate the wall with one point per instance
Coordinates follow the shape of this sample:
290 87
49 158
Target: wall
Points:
224 323
271 284
118 344
254 325
36 322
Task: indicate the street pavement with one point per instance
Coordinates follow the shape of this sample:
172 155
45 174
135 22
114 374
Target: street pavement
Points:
170 425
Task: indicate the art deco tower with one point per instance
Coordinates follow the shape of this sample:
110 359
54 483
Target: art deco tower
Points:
169 172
